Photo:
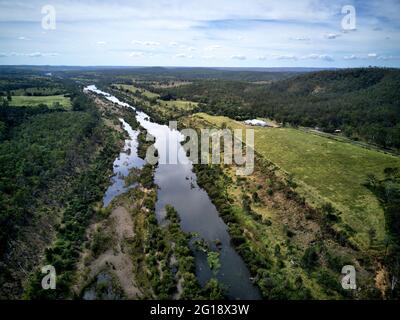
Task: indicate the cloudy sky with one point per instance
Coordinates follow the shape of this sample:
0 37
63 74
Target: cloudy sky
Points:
235 33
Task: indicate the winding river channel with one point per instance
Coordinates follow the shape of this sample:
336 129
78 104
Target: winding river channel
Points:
178 187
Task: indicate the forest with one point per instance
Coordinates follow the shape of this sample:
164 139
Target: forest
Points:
53 164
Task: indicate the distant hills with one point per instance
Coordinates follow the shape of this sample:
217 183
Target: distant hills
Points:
185 73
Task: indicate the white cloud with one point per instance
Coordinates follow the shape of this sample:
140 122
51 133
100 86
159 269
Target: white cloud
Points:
238 57
331 35
183 55
314 56
262 58
388 58
101 43
173 44
39 54
371 56
351 57
208 57
285 57
136 54
301 38
213 47
187 47
325 57
35 54
146 43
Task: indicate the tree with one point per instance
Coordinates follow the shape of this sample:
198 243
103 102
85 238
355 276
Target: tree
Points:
371 235
212 290
4 104
310 259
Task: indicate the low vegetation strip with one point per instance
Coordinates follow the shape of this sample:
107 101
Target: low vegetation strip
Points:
133 89
58 101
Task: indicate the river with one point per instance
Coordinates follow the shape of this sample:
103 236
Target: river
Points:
178 187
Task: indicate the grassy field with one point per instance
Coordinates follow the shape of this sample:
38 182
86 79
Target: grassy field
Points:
178 104
170 109
326 170
134 89
30 101
171 84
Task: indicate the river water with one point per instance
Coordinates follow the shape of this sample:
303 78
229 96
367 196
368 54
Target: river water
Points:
178 187
127 159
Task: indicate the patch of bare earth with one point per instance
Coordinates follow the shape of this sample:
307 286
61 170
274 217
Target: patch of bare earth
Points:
382 281
116 258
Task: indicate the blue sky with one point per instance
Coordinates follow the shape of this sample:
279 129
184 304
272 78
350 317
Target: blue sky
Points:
224 33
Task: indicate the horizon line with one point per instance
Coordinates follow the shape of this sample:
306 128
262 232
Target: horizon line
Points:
192 67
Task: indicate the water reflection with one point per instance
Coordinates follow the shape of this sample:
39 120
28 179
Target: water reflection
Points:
127 159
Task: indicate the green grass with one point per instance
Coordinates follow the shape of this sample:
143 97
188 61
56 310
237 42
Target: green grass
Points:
134 89
326 170
31 101
165 109
179 104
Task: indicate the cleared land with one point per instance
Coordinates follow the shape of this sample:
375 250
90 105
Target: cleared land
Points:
50 101
326 170
178 104
172 104
133 89
165 108
171 84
